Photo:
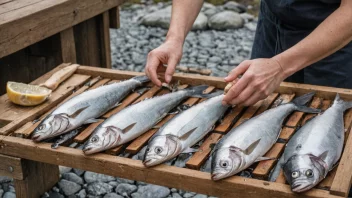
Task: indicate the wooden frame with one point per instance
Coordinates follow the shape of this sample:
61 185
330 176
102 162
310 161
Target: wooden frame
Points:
182 178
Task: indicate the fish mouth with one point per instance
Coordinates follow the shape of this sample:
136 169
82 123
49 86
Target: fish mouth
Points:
87 150
301 186
216 176
149 162
36 138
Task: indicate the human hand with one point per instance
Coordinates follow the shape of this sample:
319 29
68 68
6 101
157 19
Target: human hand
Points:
169 53
260 77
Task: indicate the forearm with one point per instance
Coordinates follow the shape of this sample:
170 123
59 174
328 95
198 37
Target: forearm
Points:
331 35
184 13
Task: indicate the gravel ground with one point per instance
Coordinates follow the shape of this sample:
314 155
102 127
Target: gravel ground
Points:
217 50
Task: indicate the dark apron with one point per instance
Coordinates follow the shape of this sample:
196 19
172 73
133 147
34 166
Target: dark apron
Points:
283 23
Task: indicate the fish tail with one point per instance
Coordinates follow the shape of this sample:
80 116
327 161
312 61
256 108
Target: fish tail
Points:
141 79
301 101
346 105
197 91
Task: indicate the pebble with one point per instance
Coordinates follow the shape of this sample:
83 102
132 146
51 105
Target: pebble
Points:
152 191
90 177
55 195
64 169
176 195
112 195
82 193
4 179
9 195
99 188
200 196
1 192
189 194
226 20
122 180
73 177
69 187
78 172
126 189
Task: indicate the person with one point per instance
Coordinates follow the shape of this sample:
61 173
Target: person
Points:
303 41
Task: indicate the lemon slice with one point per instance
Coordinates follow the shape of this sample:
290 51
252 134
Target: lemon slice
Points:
26 95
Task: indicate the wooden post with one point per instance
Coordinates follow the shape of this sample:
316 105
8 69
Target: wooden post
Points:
114 15
68 47
105 39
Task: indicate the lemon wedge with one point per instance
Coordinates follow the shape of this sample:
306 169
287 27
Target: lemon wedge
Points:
26 95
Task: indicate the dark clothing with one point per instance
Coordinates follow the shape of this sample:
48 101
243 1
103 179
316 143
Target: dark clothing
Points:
283 23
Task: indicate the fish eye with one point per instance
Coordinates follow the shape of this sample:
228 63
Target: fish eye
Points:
158 150
309 173
295 174
224 163
94 139
148 149
41 127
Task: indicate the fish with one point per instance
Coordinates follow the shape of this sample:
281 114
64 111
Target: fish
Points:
64 138
85 108
315 148
179 134
248 142
136 119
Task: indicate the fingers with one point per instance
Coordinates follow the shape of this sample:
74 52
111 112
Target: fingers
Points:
236 90
243 96
240 69
151 68
170 70
253 99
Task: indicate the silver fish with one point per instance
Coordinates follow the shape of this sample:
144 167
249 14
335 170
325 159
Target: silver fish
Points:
136 119
84 108
184 130
248 142
315 148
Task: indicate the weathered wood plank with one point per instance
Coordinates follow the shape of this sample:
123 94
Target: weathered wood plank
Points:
63 91
249 113
267 103
229 119
316 103
84 135
114 14
133 169
11 167
105 39
68 47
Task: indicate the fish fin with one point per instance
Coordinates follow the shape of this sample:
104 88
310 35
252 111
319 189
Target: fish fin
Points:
211 95
190 150
141 79
276 171
129 127
92 120
197 91
264 158
323 155
142 90
302 100
167 86
308 109
76 113
346 105
251 147
187 134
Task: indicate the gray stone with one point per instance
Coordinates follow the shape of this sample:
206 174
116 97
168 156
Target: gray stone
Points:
73 177
234 6
251 26
90 177
174 190
64 169
211 65
160 18
69 187
99 188
200 196
78 172
55 195
72 196
152 191
210 12
93 196
82 193
112 195
122 180
45 195
207 6
189 194
139 183
176 195
247 17
9 195
113 184
56 189
226 20
11 189
201 22
4 179
126 189
215 59
1 192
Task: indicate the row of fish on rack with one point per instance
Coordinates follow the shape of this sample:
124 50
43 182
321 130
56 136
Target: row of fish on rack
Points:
309 155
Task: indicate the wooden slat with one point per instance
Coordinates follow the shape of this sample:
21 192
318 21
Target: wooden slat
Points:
114 14
192 180
226 123
249 113
105 39
326 183
84 135
263 168
68 47
283 98
142 140
63 91
11 167
316 103
27 129
281 178
26 26
100 83
267 103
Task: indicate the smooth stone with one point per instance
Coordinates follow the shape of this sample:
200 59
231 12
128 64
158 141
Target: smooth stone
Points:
174 190
139 183
247 17
200 196
126 189
73 177
201 22
122 180
207 6
176 195
1 192
226 20
72 196
9 195
112 195
160 18
99 188
11 189
82 193
153 191
69 187
234 6
210 12
64 169
215 59
211 65
78 172
55 195
90 177
251 26
45 195
113 183
56 189
4 179
189 194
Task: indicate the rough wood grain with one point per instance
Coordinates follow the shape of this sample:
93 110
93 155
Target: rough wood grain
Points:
11 167
68 47
105 39
229 119
267 103
114 14
192 180
84 135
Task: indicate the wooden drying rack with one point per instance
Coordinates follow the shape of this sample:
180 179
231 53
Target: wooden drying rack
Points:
29 163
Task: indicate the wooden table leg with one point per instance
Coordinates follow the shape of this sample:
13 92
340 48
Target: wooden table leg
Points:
114 14
68 47
41 177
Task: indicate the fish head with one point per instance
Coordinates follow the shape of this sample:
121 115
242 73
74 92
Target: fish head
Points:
226 162
51 126
303 172
160 149
103 138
